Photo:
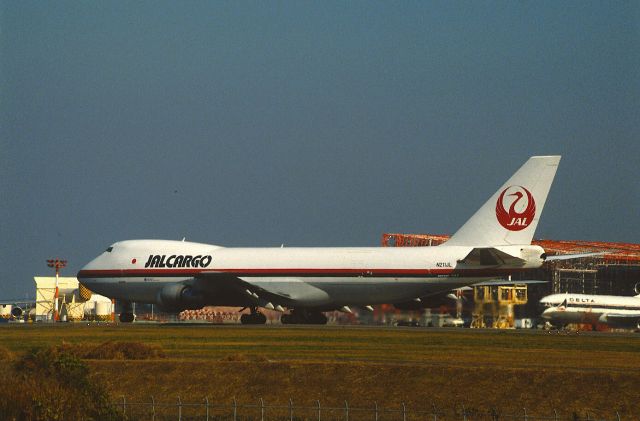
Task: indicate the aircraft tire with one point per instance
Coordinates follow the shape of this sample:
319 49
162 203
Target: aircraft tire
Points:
297 318
317 319
253 319
303 318
291 319
126 317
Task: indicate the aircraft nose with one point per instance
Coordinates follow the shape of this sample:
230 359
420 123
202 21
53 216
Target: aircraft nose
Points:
542 307
86 275
82 273
546 314
83 277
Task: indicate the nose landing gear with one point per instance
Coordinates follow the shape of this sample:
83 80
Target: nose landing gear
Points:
126 315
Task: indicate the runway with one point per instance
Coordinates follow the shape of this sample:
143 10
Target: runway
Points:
330 327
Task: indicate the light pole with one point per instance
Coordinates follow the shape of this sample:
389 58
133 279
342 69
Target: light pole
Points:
57 264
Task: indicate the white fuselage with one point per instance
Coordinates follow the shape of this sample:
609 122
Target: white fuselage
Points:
495 241
307 277
591 309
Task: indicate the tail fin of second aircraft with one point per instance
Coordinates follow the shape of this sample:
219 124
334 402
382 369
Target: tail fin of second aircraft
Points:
511 215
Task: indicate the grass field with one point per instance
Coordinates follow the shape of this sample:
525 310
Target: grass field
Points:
481 369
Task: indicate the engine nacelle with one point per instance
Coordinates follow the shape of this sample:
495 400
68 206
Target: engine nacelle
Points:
178 297
16 312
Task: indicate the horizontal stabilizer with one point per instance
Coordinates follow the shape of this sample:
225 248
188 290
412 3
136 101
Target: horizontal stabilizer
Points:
572 256
489 256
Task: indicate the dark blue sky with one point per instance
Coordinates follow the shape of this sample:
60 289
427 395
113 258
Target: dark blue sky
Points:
306 123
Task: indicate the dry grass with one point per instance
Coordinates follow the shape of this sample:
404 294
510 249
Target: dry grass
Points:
480 369
124 351
111 350
245 358
52 383
5 355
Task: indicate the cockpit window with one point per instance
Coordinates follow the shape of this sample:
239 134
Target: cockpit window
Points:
108 250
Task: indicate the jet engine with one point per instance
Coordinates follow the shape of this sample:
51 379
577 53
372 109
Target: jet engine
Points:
16 312
178 297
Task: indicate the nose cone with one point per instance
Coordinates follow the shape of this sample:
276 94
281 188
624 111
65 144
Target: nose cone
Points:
83 277
89 272
548 313
84 271
545 301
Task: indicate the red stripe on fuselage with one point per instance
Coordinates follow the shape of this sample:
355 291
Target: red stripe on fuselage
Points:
280 272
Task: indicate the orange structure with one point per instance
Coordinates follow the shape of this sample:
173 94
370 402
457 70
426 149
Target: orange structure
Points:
616 272
617 253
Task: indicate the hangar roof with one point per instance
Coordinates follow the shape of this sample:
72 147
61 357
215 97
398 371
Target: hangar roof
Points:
625 253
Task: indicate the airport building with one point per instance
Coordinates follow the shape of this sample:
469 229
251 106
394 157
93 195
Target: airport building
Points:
75 302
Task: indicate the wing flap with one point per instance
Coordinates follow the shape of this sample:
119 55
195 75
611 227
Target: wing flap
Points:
289 289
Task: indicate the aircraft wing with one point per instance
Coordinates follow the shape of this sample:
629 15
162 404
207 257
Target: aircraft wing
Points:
618 319
268 291
17 302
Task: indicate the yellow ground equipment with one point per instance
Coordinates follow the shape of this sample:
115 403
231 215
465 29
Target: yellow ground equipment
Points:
497 301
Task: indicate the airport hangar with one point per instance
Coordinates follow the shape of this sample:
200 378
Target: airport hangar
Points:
616 272
75 302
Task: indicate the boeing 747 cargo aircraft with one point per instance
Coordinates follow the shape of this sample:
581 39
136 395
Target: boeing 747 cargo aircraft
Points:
302 283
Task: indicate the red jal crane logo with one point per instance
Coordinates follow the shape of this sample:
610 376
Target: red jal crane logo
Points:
521 211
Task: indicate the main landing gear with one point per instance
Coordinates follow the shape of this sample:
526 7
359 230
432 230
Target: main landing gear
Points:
299 317
126 315
255 318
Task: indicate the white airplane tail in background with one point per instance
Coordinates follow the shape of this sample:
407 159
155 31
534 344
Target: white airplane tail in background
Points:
511 215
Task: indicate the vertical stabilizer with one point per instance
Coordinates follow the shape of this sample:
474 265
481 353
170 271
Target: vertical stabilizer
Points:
511 215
